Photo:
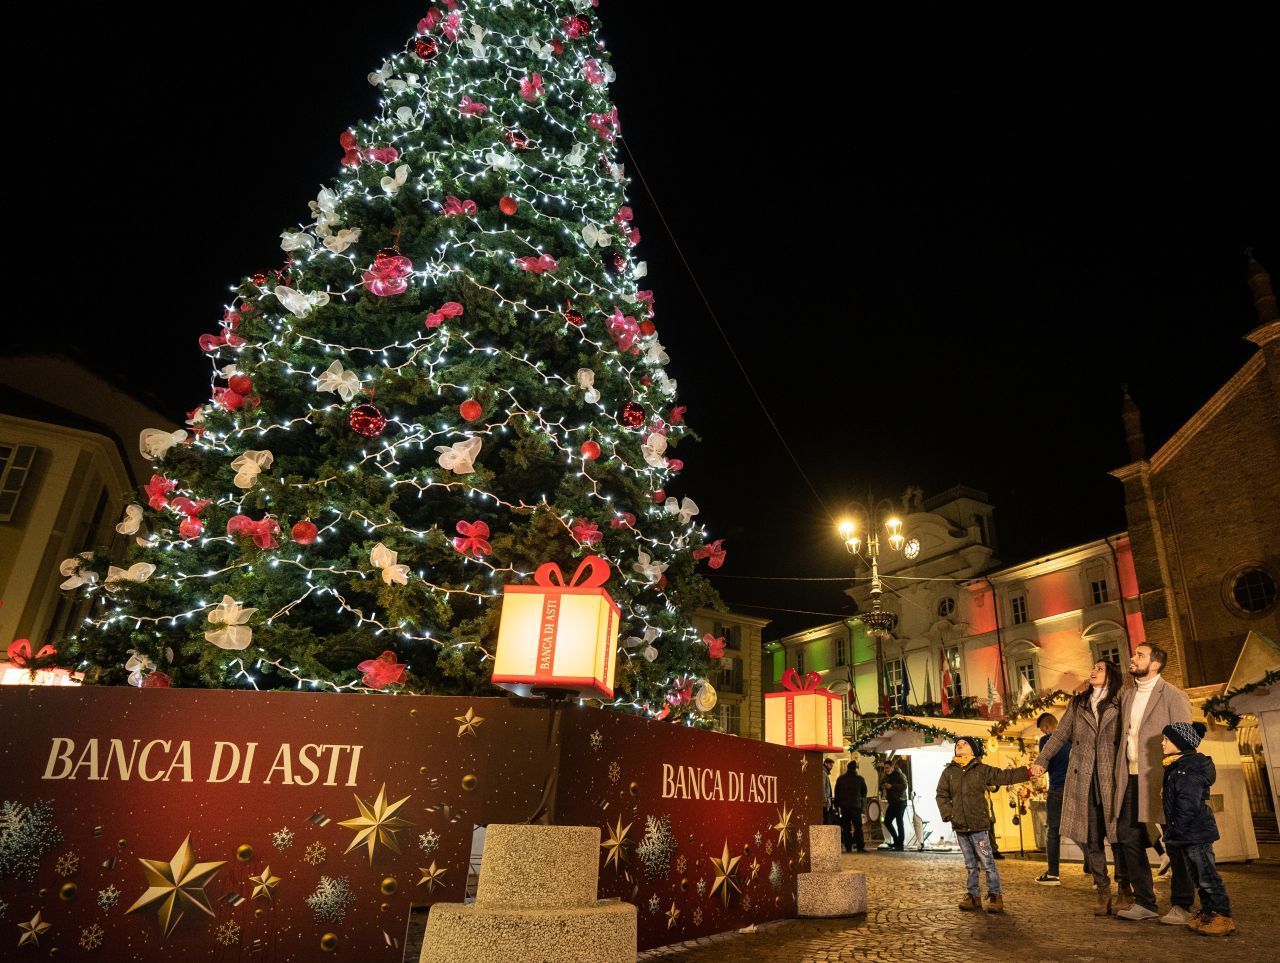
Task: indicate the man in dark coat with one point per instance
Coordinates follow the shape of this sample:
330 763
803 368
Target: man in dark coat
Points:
851 798
893 786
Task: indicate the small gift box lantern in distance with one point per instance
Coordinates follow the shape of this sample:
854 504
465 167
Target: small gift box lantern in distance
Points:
555 636
803 716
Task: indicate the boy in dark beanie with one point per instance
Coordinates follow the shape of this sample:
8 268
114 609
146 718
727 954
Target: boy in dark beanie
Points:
962 802
1190 826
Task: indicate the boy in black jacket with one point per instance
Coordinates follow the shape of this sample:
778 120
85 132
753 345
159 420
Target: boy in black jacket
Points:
1190 826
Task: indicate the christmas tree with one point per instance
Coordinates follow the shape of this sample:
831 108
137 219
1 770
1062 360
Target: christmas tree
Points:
454 377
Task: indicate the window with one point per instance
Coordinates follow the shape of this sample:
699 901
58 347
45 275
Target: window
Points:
1250 590
730 634
730 675
1098 589
955 690
1018 604
840 650
946 606
1106 650
800 659
894 682
730 718
15 467
1024 677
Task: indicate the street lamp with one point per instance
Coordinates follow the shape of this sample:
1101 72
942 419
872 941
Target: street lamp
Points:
877 621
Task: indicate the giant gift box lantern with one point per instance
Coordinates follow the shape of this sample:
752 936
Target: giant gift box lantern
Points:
558 636
803 716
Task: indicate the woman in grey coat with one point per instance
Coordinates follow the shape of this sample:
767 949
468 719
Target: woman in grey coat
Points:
1092 725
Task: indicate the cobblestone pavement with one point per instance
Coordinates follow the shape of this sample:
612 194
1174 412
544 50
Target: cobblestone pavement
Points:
913 916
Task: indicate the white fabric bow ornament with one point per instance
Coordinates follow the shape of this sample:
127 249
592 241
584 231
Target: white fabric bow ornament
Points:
154 442
503 160
249 465
138 665
346 383
648 568
685 510
654 353
132 520
382 74
324 210
640 269
616 171
75 573
540 49
138 572
654 451
476 43
401 85
299 304
596 236
459 457
296 241
385 559
586 381
666 385
404 114
649 653
337 243
232 616
578 156
392 185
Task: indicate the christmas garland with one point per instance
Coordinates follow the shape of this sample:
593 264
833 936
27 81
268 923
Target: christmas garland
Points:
1219 707
901 722
1031 706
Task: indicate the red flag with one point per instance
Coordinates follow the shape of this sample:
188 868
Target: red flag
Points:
946 684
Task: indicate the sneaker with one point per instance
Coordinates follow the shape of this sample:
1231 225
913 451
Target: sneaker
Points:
1176 916
1048 879
1136 913
1217 925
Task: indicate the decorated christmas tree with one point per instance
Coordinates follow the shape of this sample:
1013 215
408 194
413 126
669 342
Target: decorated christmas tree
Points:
454 377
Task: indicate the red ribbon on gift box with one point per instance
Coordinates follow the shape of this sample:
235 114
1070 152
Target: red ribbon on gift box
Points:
20 653
592 572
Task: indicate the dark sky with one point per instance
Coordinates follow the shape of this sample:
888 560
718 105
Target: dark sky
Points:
938 254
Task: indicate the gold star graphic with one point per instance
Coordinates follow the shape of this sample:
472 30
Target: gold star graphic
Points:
673 914
469 723
726 870
755 867
264 884
783 825
800 855
616 845
31 931
432 876
376 824
176 886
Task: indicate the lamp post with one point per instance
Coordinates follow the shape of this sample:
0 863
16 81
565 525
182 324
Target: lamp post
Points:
878 622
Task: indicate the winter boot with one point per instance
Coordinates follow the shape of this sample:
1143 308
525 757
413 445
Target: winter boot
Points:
995 903
1198 920
1217 925
970 904
1104 905
1124 896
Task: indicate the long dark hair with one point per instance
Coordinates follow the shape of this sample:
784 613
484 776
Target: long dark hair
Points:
1114 681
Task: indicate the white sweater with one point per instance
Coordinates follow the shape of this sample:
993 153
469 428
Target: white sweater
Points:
1141 696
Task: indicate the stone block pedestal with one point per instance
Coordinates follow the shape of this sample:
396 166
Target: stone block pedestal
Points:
827 890
536 902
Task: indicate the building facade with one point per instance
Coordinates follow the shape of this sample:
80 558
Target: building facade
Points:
740 699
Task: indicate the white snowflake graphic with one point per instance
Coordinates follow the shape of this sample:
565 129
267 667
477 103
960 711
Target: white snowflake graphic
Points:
282 838
67 864
653 903
107 898
91 937
681 863
656 847
775 876
597 740
429 840
4 907
758 839
768 847
697 916
26 834
315 854
228 934
615 771
746 902
331 899
702 887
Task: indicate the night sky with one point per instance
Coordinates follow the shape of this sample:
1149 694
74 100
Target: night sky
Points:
937 258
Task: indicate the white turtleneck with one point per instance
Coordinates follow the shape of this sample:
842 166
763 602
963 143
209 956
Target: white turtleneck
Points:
1141 696
1099 693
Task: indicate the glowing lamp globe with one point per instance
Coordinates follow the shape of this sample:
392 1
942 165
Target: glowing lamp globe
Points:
556 637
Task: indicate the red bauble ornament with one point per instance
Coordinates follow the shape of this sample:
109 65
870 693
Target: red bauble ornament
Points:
508 206
304 532
590 450
387 258
241 384
259 279
367 420
471 410
557 47
426 48
572 316
632 415
615 262
155 680
647 328
517 140
659 496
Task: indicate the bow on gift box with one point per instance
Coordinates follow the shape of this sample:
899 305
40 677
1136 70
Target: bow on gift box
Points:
592 572
809 684
382 671
263 531
473 539
20 655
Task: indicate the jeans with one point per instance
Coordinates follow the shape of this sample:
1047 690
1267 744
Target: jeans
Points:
893 818
1203 872
851 830
1133 847
1053 841
977 853
1182 882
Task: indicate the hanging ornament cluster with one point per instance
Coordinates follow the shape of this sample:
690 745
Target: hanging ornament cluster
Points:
367 420
632 415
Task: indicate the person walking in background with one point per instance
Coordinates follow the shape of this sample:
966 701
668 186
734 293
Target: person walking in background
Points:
829 815
962 802
893 786
1057 770
851 799
1145 709
1190 828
